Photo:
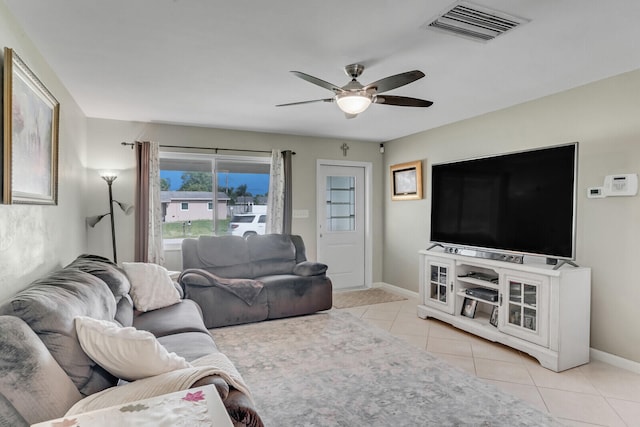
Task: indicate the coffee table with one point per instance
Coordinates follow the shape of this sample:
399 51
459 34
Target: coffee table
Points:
200 406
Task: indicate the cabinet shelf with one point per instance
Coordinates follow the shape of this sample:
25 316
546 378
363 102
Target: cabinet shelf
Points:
479 282
481 318
462 293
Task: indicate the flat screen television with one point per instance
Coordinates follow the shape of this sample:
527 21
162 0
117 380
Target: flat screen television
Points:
522 203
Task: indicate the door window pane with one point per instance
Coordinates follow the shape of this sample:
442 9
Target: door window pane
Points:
340 203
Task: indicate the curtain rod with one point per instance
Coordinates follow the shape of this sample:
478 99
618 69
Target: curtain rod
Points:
216 149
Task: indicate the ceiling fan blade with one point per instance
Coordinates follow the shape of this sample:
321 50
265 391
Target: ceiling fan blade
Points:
402 101
319 82
393 82
306 102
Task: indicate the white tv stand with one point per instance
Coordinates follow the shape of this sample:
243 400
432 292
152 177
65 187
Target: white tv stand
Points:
539 310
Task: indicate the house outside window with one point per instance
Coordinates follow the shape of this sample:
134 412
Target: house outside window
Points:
191 207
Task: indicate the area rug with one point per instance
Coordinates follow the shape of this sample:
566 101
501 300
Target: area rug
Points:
364 297
333 369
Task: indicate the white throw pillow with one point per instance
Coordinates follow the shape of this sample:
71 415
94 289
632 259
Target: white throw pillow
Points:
126 353
151 286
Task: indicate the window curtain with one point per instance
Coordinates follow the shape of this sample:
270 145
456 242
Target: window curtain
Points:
148 226
279 209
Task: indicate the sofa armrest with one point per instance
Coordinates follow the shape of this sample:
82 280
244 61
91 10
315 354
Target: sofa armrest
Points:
310 268
220 384
241 410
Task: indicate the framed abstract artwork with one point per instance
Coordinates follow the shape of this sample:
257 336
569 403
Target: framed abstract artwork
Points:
406 181
30 128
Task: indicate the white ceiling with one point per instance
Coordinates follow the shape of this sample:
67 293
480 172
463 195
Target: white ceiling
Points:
226 64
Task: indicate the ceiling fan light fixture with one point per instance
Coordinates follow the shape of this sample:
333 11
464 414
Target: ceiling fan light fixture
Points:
354 102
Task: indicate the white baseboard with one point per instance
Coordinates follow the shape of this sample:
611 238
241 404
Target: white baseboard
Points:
614 360
396 290
594 354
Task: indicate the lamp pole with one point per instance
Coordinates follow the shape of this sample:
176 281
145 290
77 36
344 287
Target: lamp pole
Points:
110 179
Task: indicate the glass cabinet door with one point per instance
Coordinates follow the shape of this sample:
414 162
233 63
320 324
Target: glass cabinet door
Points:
523 305
438 283
525 301
439 286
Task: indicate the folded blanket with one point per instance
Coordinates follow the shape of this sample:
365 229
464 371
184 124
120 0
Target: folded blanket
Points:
245 289
178 380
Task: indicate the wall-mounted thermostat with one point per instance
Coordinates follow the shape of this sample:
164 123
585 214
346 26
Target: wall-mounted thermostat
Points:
621 185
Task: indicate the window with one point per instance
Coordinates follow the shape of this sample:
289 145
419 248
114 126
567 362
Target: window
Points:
191 208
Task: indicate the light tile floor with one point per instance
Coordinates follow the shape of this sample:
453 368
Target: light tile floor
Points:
596 394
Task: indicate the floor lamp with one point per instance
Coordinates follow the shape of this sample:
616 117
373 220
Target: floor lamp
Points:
109 177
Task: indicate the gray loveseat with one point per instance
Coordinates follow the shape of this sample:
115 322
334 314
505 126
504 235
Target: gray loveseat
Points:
43 368
237 280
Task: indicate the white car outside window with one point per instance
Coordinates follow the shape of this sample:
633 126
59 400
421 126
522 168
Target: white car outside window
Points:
247 224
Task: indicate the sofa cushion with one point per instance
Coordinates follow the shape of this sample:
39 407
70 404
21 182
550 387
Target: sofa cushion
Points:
106 270
114 277
301 252
190 345
29 376
49 306
226 256
126 353
151 286
179 318
124 311
271 254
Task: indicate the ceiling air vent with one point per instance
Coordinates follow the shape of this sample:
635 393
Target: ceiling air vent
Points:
475 22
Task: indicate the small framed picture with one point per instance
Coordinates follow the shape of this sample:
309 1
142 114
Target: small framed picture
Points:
469 307
406 181
494 316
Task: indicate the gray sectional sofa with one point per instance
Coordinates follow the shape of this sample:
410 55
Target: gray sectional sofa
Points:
237 280
43 368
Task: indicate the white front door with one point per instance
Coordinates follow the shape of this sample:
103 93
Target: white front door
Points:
341 223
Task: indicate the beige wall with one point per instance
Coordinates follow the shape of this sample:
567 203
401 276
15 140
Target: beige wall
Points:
37 239
605 118
105 151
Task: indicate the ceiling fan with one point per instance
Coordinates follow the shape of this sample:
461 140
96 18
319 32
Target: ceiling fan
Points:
353 98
